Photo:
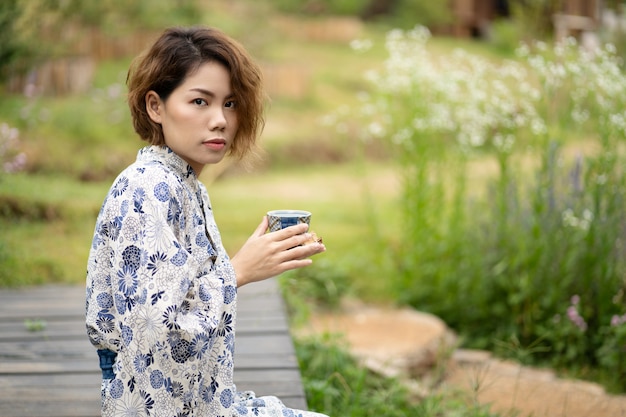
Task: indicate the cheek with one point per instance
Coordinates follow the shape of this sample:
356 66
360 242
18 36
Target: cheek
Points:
233 121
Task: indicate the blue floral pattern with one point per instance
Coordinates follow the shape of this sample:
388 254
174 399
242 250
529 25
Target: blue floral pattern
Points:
162 294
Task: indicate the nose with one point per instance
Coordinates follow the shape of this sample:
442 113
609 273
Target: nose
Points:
218 119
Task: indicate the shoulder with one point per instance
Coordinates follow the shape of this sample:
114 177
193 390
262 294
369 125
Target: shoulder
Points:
144 189
152 178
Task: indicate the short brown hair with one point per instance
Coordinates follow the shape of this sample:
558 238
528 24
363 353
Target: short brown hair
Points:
177 53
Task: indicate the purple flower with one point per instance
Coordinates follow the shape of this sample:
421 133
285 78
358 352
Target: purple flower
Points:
618 320
574 316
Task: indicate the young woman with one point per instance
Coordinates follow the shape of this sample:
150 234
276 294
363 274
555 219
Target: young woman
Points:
161 289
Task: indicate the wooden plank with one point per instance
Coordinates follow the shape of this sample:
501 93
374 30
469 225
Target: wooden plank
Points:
58 407
38 406
34 407
33 380
74 328
58 349
53 310
77 380
54 372
264 361
60 294
82 386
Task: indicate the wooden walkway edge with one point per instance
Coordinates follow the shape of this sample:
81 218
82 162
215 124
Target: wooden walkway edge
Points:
53 372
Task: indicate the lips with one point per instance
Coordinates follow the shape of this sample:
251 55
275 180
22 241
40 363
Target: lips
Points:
215 144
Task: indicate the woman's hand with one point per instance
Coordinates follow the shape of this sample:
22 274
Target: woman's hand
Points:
265 255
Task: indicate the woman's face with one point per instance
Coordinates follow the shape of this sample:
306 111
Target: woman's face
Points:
199 118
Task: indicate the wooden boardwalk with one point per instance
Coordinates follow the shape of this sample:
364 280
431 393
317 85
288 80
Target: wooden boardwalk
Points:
54 372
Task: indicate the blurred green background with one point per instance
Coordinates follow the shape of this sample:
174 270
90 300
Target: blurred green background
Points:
64 66
488 190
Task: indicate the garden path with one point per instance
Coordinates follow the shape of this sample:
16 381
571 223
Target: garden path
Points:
48 368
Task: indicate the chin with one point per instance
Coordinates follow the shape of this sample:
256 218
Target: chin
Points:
215 160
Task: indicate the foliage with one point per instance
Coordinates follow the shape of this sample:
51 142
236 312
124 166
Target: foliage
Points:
521 249
34 30
398 13
97 128
10 47
323 284
11 158
506 36
9 265
408 13
327 7
39 269
534 17
335 384
47 224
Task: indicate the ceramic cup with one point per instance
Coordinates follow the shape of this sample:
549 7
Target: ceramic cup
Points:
279 219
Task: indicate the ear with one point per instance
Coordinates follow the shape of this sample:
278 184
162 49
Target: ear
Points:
153 106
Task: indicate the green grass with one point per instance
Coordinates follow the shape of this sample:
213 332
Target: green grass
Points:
60 191
337 385
47 225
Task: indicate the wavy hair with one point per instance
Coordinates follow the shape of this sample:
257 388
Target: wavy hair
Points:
176 54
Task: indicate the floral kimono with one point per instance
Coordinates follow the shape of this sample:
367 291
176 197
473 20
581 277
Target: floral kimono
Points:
162 296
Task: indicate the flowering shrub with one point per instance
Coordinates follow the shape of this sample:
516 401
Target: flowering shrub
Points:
574 316
12 160
459 96
566 334
503 262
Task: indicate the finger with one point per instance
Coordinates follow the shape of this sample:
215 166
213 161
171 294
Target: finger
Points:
295 264
302 251
290 231
298 229
293 241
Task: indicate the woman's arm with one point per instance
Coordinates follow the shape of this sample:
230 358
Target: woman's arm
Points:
148 266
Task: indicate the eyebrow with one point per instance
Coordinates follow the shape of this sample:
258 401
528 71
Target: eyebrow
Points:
209 93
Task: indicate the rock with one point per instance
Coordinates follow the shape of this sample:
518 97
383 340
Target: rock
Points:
392 342
513 389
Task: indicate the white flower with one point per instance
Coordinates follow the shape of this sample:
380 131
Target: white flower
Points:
376 129
148 321
361 45
130 406
158 233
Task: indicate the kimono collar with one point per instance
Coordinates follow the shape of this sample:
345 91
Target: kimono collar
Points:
167 157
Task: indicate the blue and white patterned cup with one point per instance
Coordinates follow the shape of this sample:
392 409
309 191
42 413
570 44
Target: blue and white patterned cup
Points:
279 219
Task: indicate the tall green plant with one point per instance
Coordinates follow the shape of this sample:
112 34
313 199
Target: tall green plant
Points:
506 262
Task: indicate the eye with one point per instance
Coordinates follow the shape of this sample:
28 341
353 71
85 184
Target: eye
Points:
231 104
200 102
